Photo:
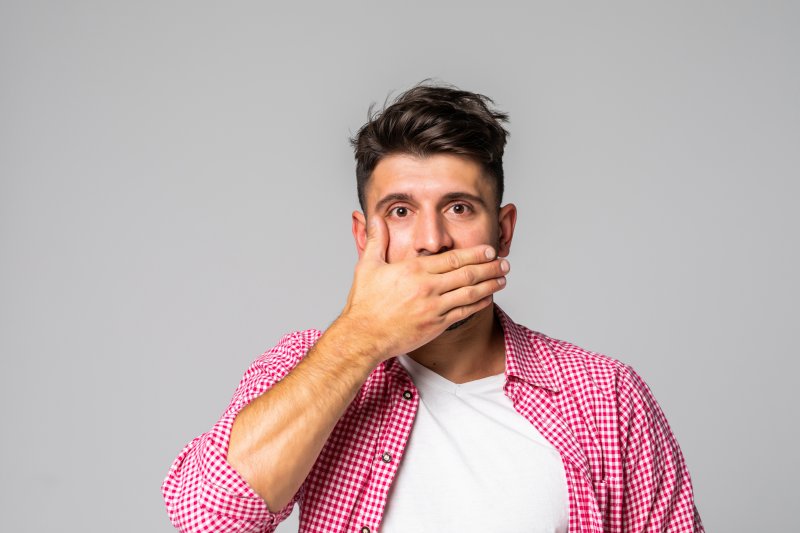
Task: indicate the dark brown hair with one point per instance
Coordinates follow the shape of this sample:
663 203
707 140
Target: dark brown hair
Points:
429 119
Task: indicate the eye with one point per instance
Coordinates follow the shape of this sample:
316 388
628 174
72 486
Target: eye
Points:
399 211
460 209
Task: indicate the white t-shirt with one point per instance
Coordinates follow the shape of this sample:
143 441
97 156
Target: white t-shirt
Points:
474 464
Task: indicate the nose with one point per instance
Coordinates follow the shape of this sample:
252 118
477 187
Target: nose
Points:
431 235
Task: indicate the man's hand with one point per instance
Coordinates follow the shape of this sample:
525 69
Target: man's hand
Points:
399 307
392 309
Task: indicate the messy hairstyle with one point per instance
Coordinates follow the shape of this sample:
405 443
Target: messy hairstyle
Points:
430 119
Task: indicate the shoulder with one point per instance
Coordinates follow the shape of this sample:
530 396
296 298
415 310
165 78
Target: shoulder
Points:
594 379
603 388
578 369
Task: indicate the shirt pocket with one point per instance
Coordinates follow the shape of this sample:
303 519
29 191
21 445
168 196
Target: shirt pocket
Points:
608 494
602 496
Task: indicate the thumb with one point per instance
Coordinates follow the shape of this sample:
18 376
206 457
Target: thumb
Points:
377 238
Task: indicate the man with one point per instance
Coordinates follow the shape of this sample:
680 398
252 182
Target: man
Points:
424 407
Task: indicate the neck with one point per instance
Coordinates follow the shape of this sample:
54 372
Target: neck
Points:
472 351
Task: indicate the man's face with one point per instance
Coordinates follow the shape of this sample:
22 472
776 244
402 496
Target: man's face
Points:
434 204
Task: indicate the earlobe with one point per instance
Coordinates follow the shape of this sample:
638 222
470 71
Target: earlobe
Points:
359 231
507 219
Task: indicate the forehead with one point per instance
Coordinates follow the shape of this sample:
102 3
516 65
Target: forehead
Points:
427 178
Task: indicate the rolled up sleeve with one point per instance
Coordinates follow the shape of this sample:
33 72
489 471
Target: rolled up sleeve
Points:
202 492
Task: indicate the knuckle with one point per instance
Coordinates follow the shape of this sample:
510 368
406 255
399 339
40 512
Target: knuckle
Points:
429 310
469 276
410 268
453 261
471 293
423 290
428 318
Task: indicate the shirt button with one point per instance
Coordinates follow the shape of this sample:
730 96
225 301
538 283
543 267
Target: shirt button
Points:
407 395
365 529
387 457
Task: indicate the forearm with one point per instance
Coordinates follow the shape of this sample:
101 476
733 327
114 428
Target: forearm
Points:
276 439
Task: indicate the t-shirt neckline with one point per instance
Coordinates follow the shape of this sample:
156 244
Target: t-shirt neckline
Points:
423 376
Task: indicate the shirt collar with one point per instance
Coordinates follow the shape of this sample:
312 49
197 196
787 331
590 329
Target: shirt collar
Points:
528 354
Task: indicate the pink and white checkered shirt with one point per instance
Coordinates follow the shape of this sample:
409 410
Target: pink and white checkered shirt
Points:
624 469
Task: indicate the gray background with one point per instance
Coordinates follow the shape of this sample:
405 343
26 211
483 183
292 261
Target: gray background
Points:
176 194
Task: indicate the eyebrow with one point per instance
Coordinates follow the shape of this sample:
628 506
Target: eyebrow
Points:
447 198
393 197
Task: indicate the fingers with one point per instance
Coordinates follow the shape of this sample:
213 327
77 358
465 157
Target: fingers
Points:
377 239
460 313
470 295
455 259
472 274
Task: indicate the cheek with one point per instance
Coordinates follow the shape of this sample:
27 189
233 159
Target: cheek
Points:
475 235
401 244
465 235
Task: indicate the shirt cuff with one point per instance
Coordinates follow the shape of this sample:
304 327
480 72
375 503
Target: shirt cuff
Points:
224 491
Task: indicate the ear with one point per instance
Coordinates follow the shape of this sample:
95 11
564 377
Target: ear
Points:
507 219
360 232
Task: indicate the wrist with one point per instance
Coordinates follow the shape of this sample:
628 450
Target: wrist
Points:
354 334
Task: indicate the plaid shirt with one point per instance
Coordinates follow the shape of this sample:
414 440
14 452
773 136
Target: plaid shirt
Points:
624 469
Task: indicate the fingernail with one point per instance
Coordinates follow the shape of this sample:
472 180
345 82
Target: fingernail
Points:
501 281
504 266
490 253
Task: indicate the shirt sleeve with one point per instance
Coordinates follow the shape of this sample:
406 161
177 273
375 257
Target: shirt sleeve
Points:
657 491
202 491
